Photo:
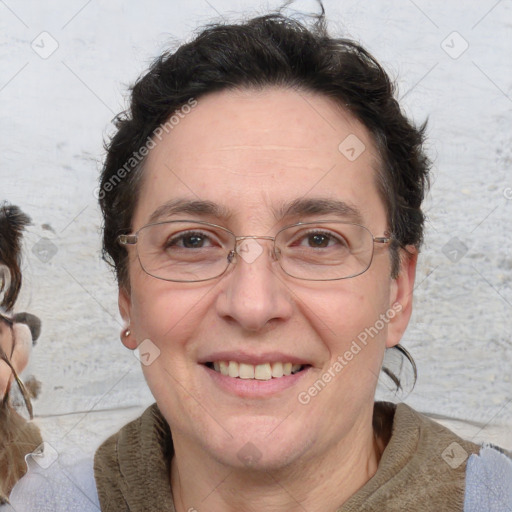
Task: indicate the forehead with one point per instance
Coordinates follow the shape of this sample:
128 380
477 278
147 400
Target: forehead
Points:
257 151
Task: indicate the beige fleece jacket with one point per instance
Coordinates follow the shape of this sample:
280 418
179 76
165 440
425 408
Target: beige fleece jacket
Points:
422 468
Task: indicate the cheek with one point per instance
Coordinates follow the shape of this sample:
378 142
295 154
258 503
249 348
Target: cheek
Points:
354 307
167 313
349 322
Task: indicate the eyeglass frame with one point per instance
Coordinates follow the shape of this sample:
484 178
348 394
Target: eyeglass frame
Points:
132 239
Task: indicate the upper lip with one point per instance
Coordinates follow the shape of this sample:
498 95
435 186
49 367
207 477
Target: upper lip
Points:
248 358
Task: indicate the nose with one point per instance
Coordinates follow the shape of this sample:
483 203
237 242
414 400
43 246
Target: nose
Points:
254 294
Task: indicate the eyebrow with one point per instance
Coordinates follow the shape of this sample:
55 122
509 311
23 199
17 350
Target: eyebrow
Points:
296 208
192 207
321 206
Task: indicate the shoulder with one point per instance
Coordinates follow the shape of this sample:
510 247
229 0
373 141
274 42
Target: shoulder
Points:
486 470
132 466
431 439
488 481
109 455
55 484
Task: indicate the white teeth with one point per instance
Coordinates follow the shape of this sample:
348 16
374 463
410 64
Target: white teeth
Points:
224 367
245 371
233 369
265 371
277 370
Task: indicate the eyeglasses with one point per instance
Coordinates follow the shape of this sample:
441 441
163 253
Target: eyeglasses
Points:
193 251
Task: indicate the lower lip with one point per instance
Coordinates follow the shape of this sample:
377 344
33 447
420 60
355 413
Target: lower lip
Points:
253 388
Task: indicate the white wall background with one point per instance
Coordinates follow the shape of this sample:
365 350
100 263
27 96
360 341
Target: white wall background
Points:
56 110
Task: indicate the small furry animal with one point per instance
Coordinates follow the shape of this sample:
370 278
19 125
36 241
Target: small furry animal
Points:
18 333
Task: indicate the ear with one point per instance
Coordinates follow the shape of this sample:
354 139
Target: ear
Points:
401 295
125 308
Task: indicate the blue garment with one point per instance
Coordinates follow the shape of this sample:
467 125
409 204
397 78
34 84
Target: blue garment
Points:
54 486
488 482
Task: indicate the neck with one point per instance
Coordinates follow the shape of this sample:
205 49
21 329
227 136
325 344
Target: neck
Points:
330 477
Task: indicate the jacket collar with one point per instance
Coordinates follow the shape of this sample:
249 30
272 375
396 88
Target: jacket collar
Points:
422 467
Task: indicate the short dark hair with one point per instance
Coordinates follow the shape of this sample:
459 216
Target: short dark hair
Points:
271 50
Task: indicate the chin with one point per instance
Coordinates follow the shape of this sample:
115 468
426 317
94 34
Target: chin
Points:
257 449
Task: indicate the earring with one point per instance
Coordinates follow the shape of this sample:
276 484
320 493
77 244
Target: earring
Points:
127 332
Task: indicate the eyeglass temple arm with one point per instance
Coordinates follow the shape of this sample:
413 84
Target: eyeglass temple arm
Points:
127 239
382 239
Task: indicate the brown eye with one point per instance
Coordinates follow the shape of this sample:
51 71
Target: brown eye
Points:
321 240
189 240
318 240
193 241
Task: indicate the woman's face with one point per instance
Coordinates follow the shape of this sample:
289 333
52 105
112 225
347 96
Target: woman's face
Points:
253 154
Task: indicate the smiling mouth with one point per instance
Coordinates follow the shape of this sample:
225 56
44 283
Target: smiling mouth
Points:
265 371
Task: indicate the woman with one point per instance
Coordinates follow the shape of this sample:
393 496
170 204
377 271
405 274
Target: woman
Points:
17 334
262 208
